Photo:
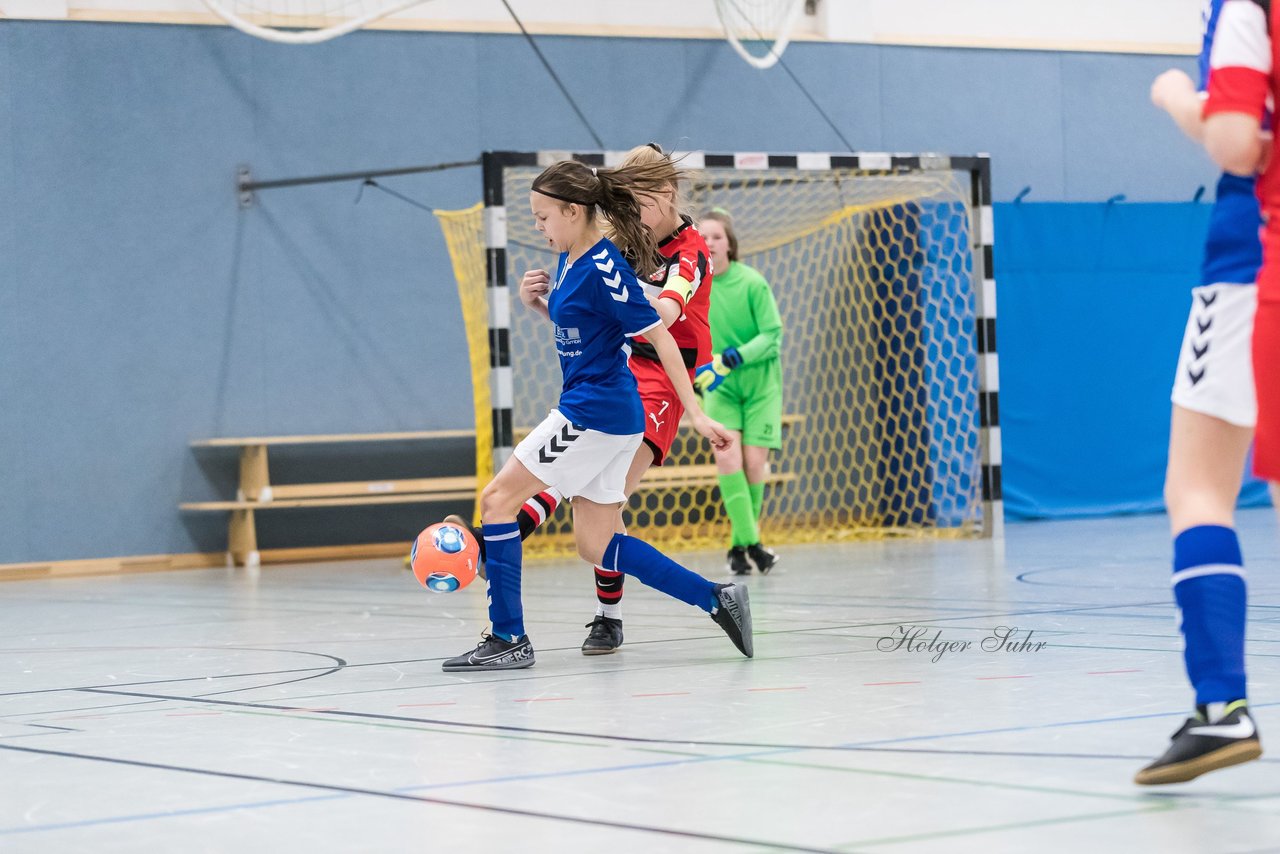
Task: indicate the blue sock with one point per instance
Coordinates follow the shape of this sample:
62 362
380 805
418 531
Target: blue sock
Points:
1209 586
652 568
503 557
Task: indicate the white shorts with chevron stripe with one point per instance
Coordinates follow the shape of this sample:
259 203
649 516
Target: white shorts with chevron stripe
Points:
577 461
1215 367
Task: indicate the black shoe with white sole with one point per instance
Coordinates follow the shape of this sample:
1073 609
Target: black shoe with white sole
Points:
494 653
1199 747
605 636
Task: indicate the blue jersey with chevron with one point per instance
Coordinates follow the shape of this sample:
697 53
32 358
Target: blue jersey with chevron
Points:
597 306
1233 249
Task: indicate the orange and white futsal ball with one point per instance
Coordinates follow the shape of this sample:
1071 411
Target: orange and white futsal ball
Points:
444 557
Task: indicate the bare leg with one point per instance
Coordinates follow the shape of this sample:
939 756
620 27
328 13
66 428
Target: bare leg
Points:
1206 462
757 463
729 460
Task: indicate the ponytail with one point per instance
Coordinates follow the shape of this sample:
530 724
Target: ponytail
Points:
615 192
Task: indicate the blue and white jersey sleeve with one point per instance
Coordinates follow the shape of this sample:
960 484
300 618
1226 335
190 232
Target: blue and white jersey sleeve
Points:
1233 250
1210 11
621 295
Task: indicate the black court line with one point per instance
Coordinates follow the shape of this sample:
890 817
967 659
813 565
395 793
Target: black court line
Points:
424 799
813 631
817 630
632 739
339 663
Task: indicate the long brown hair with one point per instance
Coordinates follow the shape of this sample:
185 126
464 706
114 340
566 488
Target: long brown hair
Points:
721 216
615 192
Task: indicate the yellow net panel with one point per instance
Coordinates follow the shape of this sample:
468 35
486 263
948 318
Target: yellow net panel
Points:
873 274
464 234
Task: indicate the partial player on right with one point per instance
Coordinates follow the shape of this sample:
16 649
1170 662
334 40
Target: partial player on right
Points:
742 385
1214 411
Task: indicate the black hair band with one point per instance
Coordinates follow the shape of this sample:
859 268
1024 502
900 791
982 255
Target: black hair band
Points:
561 198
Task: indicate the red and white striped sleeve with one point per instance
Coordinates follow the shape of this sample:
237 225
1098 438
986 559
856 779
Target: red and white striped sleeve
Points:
1241 61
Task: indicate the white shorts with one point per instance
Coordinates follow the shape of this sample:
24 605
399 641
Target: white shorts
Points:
1215 367
577 461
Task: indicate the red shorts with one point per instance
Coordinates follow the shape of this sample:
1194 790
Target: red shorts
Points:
662 408
1266 369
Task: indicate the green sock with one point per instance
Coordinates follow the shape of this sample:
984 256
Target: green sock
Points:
757 498
736 495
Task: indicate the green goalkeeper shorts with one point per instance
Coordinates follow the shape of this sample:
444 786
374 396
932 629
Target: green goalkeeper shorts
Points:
750 401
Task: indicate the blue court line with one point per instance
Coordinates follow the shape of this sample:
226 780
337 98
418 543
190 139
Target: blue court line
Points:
515 778
1033 727
125 819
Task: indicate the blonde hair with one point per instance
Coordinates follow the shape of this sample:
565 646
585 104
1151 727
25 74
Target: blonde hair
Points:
652 153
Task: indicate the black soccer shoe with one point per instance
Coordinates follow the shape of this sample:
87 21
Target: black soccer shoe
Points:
733 614
605 636
455 519
1199 747
738 561
763 558
493 653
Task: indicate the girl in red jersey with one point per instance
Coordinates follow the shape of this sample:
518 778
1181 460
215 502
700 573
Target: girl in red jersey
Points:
680 290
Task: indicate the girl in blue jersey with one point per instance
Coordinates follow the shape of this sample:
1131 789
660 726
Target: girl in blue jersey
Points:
1214 412
585 445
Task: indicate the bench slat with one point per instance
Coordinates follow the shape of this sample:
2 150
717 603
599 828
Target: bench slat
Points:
341 438
344 501
332 439
664 475
287 491
678 478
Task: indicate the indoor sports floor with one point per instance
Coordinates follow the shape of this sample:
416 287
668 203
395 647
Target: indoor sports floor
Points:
303 708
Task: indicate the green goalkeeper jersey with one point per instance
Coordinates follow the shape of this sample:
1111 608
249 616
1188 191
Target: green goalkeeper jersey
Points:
744 315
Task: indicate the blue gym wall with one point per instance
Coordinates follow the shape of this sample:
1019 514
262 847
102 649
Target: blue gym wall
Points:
139 308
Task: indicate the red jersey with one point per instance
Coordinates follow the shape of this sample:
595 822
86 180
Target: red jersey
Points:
684 254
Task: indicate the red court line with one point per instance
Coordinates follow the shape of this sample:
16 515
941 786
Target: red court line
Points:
791 688
420 705
541 699
1109 672
988 678
871 684
327 709
666 694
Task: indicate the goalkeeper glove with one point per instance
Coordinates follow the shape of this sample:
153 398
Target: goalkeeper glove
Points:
731 357
710 375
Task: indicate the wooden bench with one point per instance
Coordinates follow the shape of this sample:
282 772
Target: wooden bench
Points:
256 492
676 477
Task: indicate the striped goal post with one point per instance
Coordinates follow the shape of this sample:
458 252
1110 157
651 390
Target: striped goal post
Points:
884 273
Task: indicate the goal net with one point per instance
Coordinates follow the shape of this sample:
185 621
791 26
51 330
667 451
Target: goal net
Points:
880 267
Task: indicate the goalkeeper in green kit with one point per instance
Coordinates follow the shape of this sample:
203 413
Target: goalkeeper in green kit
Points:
742 388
